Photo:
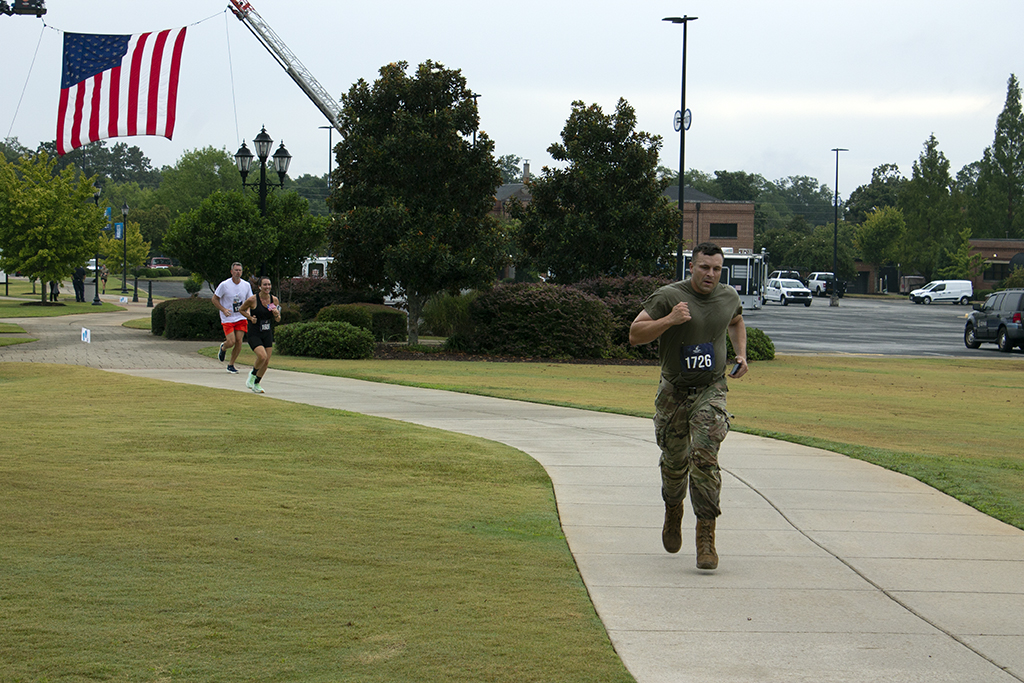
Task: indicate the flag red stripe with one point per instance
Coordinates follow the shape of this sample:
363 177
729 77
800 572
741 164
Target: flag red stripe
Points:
94 106
133 85
172 86
76 125
62 110
153 101
113 102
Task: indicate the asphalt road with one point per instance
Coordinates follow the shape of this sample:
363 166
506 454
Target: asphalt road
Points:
871 326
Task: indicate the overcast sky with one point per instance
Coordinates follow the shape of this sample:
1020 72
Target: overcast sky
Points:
773 86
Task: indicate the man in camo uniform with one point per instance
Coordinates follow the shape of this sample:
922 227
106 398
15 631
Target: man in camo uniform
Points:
690 319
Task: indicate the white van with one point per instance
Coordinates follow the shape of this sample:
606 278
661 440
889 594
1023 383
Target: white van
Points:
953 291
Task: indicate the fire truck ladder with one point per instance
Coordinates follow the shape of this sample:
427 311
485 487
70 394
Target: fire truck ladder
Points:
288 61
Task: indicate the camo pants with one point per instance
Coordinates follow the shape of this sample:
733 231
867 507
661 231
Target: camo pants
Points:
690 427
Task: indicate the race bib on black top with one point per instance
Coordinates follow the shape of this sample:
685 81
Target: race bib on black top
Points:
264 325
697 357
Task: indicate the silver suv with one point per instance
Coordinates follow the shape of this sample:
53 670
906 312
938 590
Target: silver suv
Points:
997 320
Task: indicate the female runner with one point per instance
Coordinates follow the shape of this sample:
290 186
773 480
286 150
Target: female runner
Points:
259 310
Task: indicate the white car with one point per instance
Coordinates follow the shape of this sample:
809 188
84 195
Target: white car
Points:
784 291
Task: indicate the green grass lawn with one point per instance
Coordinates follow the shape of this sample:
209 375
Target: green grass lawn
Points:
10 308
214 539
952 423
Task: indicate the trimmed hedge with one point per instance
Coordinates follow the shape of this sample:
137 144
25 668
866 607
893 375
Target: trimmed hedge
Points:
189 319
759 346
158 317
540 320
324 340
353 314
313 293
385 323
624 297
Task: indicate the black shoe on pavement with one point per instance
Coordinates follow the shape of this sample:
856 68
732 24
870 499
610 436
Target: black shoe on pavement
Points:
221 353
231 369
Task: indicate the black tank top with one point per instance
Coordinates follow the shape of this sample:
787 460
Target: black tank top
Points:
263 315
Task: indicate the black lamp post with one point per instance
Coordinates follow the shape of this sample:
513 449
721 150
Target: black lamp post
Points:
683 123
96 265
243 160
124 241
330 154
834 301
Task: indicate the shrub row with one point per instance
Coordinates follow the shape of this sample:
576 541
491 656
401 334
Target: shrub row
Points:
588 320
385 323
186 319
311 294
324 340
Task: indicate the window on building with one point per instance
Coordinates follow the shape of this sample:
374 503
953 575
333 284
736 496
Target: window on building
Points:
723 231
996 272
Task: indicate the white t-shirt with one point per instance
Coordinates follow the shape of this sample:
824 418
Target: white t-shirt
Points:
232 297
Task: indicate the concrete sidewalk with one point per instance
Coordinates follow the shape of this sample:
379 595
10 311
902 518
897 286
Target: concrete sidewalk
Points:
831 569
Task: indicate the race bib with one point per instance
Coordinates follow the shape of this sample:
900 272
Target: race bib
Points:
235 305
264 325
697 357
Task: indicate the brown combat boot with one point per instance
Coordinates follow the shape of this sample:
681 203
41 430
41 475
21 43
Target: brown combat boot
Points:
707 558
672 533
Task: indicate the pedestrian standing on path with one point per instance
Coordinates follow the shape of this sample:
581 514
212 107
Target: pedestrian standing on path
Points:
103 277
260 309
78 280
691 319
228 298
54 290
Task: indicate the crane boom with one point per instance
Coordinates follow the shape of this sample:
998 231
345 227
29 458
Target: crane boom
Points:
288 61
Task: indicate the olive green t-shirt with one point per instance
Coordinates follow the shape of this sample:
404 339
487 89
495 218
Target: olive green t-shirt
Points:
693 354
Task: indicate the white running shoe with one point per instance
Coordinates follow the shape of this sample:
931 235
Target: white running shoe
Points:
250 381
258 389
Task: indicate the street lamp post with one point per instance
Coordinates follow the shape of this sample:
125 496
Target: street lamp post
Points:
243 160
684 123
330 154
96 264
834 301
124 241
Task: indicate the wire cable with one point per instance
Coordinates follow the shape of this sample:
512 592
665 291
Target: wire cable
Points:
27 77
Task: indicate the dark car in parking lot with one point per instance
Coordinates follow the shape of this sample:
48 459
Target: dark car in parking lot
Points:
1000 319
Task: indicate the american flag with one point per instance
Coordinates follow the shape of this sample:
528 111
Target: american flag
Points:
117 86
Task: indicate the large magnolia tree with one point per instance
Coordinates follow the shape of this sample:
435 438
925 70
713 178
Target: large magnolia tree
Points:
414 183
49 224
604 213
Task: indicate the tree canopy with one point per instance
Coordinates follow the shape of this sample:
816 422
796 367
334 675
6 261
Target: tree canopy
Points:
49 224
412 189
929 212
228 227
604 214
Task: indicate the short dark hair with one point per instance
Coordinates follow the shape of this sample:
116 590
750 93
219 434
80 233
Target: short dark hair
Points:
708 249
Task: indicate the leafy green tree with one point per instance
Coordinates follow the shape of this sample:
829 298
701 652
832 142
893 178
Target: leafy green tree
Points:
963 265
296 233
1003 166
314 190
929 212
413 189
802 196
511 167
224 228
737 186
196 175
115 251
881 236
13 150
882 191
117 164
604 214
48 223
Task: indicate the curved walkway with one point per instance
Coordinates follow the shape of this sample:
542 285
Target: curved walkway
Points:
832 569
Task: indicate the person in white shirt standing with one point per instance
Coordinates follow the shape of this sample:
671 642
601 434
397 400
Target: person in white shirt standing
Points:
228 298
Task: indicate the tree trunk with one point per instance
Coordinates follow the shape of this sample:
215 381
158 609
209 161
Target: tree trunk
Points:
415 303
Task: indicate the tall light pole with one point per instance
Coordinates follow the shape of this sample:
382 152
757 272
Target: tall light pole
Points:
330 154
683 122
243 160
834 301
124 241
96 266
